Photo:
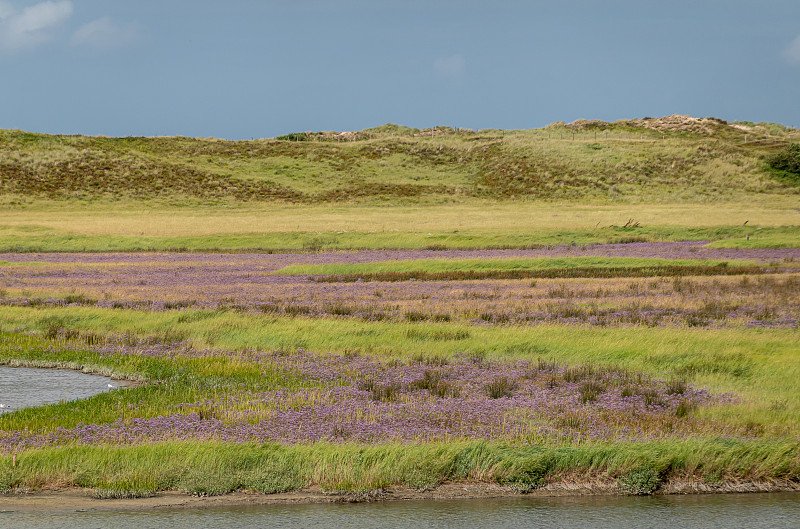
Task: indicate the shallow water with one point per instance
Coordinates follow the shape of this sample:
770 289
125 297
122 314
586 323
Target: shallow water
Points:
22 387
740 511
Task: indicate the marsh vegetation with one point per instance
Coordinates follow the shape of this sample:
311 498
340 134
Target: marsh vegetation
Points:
405 307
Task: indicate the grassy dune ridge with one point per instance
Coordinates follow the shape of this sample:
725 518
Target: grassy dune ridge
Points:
610 162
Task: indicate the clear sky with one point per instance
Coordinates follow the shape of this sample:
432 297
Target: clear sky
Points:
246 68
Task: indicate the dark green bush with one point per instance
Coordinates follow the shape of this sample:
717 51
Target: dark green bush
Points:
275 480
6 482
787 162
527 480
294 136
640 482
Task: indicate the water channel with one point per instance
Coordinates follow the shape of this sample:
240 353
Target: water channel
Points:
740 511
23 387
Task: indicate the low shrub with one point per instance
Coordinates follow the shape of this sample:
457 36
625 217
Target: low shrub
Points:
102 493
640 482
526 481
199 484
786 160
274 480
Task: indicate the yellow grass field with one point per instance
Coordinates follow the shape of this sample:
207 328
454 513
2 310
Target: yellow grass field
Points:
494 217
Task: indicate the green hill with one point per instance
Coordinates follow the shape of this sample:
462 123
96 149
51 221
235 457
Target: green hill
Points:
664 160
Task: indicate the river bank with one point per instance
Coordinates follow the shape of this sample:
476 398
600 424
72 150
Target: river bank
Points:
82 499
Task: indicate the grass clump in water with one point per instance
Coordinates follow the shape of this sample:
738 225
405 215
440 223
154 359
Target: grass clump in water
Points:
103 493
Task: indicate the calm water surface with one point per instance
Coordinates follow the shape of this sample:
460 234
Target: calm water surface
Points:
22 387
739 511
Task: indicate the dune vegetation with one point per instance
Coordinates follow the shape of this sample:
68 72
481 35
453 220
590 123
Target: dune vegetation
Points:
633 161
396 187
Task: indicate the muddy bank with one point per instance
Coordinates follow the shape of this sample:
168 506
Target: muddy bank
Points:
78 499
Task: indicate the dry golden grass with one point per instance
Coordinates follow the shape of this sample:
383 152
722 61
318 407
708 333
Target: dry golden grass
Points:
481 217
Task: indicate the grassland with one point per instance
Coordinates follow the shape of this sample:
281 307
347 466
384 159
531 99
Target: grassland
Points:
557 337
69 227
400 188
421 267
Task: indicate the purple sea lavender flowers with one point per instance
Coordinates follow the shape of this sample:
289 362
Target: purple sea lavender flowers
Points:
245 282
361 399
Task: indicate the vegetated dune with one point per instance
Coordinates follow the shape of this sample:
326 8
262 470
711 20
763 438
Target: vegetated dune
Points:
673 158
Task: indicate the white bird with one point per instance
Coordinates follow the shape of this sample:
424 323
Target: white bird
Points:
111 386
5 406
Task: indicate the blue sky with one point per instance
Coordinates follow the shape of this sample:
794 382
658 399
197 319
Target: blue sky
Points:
246 68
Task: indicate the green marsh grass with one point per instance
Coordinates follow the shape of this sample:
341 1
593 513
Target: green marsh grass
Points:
436 267
761 366
216 468
162 382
